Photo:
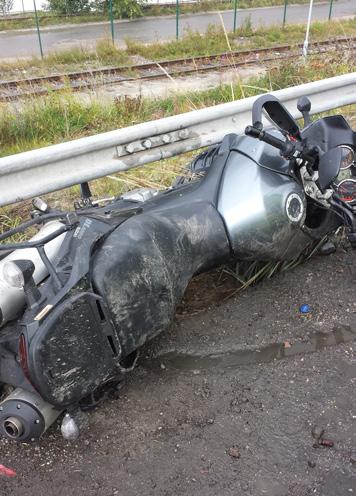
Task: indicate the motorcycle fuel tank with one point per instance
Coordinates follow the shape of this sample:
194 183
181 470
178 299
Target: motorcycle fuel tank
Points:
263 207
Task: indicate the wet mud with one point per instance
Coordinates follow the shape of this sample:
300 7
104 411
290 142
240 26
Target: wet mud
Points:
269 353
245 396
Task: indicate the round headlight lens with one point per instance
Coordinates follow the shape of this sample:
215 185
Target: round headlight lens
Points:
13 275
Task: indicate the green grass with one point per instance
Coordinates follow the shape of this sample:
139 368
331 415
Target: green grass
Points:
214 40
59 117
47 19
75 59
51 19
104 53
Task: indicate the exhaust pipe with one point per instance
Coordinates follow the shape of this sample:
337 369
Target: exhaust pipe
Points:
25 416
13 427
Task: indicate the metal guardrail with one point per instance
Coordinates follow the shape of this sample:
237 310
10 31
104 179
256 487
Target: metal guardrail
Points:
36 172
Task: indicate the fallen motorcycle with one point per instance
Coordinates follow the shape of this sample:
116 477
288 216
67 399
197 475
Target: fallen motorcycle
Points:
78 300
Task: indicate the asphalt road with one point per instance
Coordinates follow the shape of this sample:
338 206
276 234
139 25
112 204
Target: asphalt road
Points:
231 401
25 43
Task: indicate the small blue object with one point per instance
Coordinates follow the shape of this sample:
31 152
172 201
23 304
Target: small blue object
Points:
305 308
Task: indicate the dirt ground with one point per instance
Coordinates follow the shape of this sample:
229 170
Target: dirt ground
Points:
233 400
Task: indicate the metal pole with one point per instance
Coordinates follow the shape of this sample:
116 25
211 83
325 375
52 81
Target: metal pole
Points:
330 8
23 7
306 41
177 19
111 16
38 28
285 12
235 15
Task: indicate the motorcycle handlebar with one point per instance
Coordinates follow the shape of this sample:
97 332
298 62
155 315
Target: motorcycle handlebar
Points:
286 147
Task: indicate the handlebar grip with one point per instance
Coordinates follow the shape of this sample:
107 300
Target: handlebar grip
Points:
272 140
252 131
285 146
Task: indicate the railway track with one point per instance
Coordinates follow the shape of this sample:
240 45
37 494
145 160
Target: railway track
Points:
76 81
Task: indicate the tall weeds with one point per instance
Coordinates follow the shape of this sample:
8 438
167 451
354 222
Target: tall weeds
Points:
59 117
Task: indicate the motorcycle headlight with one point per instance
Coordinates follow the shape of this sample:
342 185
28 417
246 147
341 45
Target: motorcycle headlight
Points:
13 275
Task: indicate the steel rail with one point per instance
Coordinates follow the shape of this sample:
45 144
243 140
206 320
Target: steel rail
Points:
56 167
156 70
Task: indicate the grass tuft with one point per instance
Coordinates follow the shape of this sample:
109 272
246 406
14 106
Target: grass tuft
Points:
213 40
60 117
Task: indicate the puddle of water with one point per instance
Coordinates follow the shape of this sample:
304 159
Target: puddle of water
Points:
235 358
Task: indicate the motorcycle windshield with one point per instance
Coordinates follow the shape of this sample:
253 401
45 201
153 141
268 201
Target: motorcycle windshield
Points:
330 132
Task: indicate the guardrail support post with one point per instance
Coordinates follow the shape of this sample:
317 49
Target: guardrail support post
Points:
285 12
38 28
177 19
111 16
235 15
330 9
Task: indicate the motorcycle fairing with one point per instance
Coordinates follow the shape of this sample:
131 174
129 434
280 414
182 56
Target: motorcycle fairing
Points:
124 270
146 264
63 351
61 343
330 132
262 154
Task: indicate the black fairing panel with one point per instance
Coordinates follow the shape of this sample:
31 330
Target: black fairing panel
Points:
330 132
263 154
144 266
63 356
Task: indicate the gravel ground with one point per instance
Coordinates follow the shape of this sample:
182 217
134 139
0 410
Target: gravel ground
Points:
233 400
